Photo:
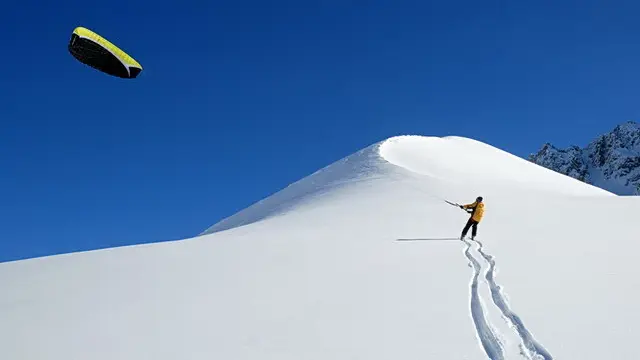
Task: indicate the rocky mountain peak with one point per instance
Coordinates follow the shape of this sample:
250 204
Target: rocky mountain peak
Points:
611 161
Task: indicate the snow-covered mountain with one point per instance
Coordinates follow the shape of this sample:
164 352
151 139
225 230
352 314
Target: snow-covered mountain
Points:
611 162
360 260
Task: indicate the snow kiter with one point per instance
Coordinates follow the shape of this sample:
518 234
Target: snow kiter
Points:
92 49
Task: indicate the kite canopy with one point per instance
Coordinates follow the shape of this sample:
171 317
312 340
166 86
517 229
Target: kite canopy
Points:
94 50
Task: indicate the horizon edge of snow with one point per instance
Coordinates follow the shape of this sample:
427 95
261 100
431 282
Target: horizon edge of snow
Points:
388 159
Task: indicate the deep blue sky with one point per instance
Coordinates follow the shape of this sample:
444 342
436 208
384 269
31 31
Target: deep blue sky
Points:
240 98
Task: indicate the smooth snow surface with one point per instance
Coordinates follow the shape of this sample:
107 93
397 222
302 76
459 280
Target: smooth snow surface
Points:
463 161
358 261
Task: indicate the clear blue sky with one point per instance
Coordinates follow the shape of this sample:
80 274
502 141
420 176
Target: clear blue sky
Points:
240 98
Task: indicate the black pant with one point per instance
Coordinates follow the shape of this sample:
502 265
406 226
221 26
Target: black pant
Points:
470 224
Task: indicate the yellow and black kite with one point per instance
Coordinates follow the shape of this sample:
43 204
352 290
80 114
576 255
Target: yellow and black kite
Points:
94 50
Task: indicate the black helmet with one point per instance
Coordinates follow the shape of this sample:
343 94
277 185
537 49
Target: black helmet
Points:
479 199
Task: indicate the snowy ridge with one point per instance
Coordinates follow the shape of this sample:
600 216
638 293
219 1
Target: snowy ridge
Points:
362 166
471 163
457 160
315 272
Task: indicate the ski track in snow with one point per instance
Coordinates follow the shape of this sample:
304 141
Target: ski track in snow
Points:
488 339
530 347
536 350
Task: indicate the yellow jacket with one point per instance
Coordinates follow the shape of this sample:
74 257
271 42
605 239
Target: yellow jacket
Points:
478 211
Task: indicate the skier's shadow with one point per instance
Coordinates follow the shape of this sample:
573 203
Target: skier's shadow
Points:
430 239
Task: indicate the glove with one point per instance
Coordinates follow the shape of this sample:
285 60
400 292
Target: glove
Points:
461 207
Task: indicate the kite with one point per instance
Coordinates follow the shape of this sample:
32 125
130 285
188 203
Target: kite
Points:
92 49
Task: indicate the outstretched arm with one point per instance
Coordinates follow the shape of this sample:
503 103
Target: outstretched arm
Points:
468 206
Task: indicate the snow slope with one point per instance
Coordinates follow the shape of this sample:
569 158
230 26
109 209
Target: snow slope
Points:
357 261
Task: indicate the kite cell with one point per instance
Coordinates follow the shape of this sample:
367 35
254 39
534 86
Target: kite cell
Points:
92 49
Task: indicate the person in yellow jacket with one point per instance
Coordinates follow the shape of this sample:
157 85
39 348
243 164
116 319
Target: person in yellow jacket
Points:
477 212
